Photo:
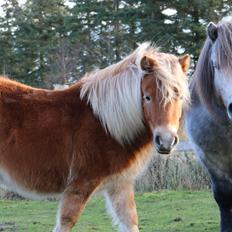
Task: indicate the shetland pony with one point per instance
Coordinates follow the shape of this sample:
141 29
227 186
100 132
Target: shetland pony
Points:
209 120
96 135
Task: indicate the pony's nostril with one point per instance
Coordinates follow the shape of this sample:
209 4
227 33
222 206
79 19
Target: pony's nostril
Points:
175 141
229 110
158 140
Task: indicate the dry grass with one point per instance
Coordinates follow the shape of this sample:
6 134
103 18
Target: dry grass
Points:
178 171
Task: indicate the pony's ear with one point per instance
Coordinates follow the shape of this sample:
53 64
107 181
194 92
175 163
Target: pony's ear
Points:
148 63
212 31
184 62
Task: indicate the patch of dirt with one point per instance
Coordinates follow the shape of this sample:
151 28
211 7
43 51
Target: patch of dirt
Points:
7 225
12 196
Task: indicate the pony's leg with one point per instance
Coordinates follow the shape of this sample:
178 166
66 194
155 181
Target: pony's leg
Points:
121 205
223 195
72 204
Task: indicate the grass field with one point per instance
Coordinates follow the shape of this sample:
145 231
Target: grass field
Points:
165 211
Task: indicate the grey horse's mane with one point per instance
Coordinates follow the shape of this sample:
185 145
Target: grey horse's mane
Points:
203 78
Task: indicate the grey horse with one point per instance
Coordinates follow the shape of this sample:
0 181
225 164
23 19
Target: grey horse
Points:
209 118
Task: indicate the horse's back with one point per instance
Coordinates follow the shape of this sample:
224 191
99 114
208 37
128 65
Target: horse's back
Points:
36 133
11 86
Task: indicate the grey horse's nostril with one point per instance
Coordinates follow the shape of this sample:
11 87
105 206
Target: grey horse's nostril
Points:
229 110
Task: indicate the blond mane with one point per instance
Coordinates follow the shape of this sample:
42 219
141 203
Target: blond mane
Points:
114 93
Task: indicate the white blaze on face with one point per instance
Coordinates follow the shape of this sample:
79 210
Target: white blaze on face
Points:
222 82
223 86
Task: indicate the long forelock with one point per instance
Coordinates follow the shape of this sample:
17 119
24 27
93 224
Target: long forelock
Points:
224 45
170 86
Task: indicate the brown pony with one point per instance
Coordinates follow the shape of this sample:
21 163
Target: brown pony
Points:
96 135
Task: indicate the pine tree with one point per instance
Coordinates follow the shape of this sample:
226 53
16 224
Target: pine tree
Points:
46 42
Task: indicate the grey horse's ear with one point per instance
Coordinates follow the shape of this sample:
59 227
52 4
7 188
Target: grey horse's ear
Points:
212 31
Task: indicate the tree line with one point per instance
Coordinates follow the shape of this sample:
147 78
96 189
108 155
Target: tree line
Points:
57 41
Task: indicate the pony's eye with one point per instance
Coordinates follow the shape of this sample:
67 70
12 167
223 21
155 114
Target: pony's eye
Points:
178 96
147 98
176 91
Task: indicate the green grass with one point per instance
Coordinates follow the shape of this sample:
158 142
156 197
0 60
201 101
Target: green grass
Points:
165 211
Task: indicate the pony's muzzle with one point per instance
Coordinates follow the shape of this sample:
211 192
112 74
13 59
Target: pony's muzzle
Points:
165 143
